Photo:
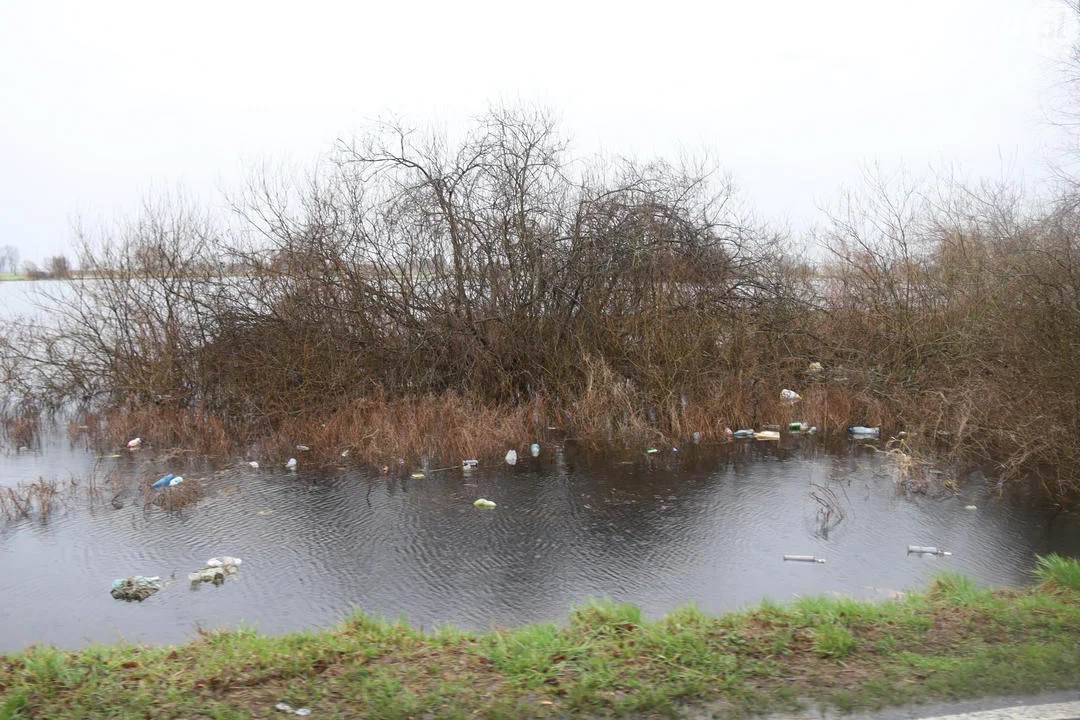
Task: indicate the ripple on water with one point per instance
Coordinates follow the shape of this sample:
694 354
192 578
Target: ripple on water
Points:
710 529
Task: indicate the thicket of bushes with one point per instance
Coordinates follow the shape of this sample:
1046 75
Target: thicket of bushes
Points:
616 299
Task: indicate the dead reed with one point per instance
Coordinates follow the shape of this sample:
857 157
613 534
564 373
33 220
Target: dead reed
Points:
409 303
38 499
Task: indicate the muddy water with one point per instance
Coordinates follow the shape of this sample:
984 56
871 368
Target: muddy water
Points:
708 526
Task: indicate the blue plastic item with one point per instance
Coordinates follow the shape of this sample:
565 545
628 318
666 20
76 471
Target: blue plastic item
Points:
164 482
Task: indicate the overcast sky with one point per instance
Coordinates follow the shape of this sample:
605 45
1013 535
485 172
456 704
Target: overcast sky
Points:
103 102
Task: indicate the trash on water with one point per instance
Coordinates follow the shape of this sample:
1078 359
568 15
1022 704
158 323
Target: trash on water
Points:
417 476
790 396
137 587
801 427
767 435
971 507
468 465
511 457
164 481
863 431
651 451
215 574
697 436
266 512
743 434
287 708
804 558
302 448
534 449
291 465
926 550
176 481
482 502
815 368
134 443
223 561
253 465
345 452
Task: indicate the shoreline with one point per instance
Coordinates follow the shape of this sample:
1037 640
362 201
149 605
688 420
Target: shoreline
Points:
953 640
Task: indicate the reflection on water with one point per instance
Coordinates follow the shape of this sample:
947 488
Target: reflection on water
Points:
708 527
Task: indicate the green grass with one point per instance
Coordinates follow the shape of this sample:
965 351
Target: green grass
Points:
1059 571
954 640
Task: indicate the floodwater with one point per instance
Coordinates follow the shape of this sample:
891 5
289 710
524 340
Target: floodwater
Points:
704 525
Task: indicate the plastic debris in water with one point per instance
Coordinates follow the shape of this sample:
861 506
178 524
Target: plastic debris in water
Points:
291 465
511 457
767 435
697 437
815 367
302 448
484 503
743 434
926 550
176 481
467 465
345 452
137 587
804 558
651 451
862 431
970 507
253 465
223 560
164 482
417 476
134 443
534 449
790 396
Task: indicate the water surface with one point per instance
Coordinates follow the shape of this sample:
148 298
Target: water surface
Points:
707 526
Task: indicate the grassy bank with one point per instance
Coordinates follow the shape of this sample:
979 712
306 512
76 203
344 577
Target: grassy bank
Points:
954 640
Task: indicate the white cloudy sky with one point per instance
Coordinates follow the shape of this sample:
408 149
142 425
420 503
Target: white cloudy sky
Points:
103 102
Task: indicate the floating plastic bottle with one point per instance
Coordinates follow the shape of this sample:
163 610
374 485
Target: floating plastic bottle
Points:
790 396
164 482
484 503
176 481
511 457
253 465
926 550
804 558
467 465
743 434
534 449
302 448
767 435
862 431
134 443
291 465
